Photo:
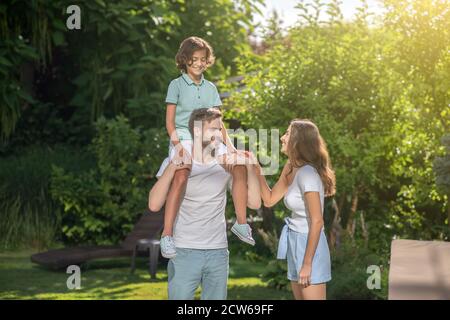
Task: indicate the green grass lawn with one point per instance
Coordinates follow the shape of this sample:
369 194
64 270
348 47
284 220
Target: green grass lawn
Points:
111 279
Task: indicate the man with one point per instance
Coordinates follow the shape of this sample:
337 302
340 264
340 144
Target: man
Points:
200 227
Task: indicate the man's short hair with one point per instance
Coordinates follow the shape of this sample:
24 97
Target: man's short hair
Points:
203 114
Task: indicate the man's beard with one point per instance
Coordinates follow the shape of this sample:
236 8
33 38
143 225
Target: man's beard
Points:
209 148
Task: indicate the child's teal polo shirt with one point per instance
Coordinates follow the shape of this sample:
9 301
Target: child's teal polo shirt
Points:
188 96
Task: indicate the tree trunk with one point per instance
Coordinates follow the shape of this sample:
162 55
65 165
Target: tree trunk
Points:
351 217
267 231
27 75
341 202
268 217
334 238
365 233
448 210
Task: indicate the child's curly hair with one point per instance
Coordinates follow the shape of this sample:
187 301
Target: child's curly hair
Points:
188 47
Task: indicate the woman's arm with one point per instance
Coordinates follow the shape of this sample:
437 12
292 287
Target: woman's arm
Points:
312 201
271 196
158 194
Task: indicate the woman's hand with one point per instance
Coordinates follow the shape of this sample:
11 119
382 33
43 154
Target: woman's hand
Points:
304 276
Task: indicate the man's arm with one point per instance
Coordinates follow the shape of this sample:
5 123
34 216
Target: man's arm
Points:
158 194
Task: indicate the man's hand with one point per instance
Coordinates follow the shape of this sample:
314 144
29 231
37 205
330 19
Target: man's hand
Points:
182 156
239 157
252 161
179 167
251 158
231 149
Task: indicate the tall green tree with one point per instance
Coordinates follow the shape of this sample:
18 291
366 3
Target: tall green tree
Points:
442 170
119 62
381 114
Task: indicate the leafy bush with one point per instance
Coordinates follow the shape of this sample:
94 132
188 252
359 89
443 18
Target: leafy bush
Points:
102 204
27 210
441 167
349 272
380 105
275 275
125 62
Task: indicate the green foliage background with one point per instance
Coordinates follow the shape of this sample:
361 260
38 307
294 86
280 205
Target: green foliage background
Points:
82 116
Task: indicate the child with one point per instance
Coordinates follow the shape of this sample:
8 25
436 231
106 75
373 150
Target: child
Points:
186 93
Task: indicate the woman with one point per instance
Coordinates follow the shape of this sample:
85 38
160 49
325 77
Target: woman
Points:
305 180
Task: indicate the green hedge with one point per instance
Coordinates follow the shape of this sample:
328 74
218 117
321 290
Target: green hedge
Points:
28 212
102 204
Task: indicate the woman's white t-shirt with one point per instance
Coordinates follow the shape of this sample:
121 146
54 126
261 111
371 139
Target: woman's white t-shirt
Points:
306 179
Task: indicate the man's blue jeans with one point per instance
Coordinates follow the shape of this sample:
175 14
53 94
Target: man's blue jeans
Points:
193 267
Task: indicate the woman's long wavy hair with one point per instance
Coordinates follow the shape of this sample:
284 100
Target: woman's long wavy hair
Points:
306 146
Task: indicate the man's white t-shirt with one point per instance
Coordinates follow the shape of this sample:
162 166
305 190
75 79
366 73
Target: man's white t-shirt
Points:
201 222
306 179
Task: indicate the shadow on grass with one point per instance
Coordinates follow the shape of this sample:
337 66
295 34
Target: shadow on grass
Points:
111 279
102 279
257 292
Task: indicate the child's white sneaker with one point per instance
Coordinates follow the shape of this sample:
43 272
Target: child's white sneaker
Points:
244 232
168 249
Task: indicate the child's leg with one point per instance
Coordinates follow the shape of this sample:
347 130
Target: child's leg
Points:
232 164
174 198
239 191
